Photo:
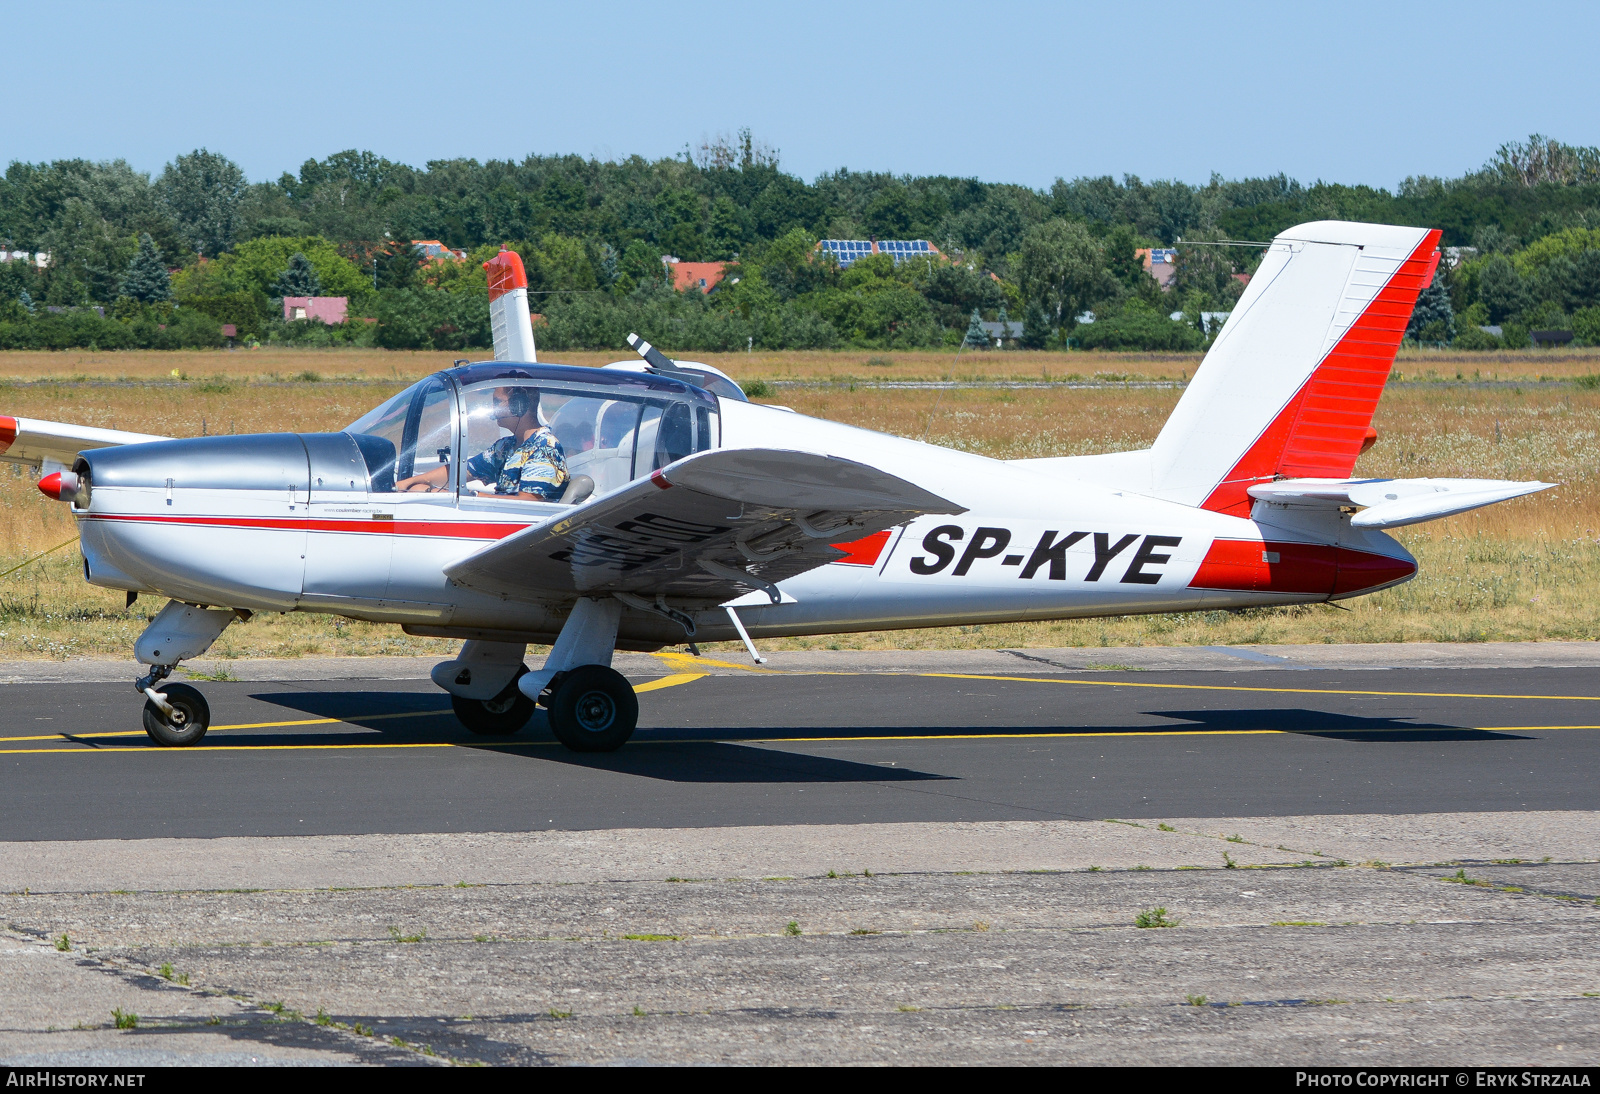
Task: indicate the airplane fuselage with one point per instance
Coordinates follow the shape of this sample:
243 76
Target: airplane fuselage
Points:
287 522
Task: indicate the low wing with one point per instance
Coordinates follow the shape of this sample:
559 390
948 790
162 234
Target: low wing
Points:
52 446
706 529
1394 503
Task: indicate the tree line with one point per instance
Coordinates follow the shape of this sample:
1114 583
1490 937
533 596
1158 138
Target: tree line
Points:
142 260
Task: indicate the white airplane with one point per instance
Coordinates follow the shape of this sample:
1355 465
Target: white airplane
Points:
688 513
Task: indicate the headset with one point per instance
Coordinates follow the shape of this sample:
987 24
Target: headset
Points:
522 401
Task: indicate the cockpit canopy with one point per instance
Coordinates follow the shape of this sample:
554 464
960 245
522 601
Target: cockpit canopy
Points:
611 426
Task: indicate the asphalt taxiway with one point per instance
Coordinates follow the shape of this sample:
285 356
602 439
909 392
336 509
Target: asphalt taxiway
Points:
366 756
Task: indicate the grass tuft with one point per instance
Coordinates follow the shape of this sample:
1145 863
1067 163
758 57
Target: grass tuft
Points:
1154 917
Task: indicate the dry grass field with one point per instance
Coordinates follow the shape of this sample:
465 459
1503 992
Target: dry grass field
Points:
1528 569
271 365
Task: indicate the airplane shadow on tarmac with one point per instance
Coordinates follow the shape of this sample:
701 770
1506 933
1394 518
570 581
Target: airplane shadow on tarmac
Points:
1341 727
409 718
755 754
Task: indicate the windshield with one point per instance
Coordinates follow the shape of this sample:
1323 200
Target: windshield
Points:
412 434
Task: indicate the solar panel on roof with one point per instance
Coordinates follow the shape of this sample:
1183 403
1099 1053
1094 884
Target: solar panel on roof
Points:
848 250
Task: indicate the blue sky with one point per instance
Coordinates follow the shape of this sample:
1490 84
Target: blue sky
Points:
1004 91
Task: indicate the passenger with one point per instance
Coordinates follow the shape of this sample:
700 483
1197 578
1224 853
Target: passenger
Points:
529 464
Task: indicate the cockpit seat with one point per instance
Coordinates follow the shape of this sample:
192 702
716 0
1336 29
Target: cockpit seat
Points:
579 487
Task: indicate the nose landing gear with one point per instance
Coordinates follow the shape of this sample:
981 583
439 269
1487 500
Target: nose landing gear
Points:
176 716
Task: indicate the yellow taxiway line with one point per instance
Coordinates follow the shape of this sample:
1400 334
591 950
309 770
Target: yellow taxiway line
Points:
862 739
653 685
1237 687
677 679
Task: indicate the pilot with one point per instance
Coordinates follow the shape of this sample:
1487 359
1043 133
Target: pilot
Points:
529 464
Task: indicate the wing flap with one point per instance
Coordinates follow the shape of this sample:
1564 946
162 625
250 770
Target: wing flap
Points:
37 442
708 528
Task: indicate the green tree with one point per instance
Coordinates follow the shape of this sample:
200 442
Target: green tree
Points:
201 192
1433 320
1062 267
1035 327
299 278
640 262
976 337
253 266
398 265
26 300
145 279
1501 289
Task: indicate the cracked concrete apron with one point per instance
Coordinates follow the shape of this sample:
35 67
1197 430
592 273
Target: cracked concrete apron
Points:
1439 939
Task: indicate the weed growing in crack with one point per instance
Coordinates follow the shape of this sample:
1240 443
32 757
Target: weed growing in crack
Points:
907 1008
793 929
1236 838
554 1013
64 944
125 1019
1154 917
1195 1000
420 936
638 1011
1166 828
1228 863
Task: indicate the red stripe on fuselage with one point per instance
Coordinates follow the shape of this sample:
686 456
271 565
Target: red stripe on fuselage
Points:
458 529
1243 565
8 433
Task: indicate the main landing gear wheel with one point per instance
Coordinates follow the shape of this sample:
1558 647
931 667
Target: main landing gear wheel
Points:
188 722
593 709
498 717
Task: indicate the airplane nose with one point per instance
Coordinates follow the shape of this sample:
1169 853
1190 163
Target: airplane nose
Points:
60 486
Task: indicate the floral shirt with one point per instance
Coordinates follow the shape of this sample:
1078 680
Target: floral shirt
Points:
536 466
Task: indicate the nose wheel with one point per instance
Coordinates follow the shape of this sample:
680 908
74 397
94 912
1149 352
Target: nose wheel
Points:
185 720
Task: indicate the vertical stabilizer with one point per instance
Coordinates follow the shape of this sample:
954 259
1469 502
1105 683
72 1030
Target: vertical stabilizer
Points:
509 318
1290 385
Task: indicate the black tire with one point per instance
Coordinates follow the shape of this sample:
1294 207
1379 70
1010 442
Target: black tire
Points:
593 709
498 717
188 727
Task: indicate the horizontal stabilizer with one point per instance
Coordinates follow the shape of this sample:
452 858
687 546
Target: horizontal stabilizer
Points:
1393 503
710 527
41 443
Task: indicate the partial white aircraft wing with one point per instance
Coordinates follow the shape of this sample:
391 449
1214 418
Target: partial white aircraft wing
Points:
52 446
707 528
